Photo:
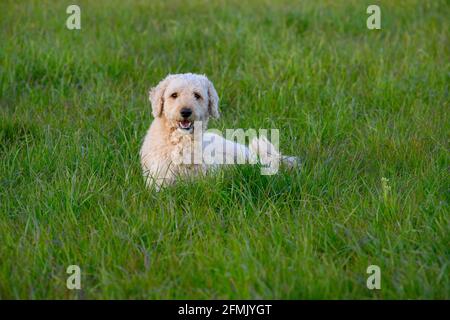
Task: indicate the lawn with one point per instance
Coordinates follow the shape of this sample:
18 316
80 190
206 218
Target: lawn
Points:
358 106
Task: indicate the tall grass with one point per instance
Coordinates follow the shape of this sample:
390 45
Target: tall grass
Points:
356 105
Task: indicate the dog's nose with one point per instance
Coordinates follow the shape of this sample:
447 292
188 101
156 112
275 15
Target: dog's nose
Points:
186 112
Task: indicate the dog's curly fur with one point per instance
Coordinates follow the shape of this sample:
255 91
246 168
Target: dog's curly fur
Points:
171 134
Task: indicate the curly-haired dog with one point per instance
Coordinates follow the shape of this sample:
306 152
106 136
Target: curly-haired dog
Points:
178 102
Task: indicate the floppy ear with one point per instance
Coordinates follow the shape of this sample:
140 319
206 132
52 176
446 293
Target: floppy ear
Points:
213 103
156 96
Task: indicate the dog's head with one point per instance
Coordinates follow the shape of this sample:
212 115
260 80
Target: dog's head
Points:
184 98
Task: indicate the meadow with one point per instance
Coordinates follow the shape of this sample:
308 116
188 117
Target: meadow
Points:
366 110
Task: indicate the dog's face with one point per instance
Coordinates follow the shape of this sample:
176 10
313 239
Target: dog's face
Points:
184 98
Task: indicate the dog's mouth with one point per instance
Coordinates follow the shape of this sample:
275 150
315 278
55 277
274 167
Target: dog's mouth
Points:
185 125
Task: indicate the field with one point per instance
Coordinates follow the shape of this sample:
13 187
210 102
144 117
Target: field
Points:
358 106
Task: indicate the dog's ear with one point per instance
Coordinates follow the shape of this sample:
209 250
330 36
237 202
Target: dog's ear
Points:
156 96
213 103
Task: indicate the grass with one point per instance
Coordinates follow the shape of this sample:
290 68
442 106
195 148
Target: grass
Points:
356 105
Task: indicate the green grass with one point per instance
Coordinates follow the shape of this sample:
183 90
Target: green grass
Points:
356 105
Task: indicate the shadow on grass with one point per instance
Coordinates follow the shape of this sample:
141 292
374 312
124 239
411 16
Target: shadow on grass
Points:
13 132
237 186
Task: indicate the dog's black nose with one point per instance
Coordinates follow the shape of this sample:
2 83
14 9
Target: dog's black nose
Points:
186 112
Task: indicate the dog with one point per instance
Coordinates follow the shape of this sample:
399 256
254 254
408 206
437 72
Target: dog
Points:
182 104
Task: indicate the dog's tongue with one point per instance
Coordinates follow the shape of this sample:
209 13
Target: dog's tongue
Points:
185 123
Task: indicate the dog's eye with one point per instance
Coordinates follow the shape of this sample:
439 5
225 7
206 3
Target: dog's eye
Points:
197 96
174 95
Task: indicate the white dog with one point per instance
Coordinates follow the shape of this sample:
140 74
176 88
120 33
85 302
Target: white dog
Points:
181 107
